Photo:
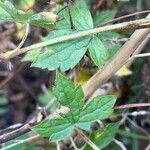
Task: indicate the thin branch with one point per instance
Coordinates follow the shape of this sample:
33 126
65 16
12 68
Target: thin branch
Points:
116 62
14 134
141 55
132 106
10 128
21 142
120 144
73 143
136 24
24 37
125 16
87 140
148 147
58 146
138 50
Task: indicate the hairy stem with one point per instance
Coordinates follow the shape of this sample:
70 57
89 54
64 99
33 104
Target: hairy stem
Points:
116 62
136 24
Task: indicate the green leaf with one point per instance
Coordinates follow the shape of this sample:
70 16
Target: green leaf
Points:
4 16
62 55
46 97
67 93
44 19
108 35
16 15
10 13
100 107
103 136
56 129
113 49
81 16
71 96
32 55
104 16
98 51
66 55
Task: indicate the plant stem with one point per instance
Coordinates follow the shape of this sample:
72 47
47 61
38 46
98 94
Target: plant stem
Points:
57 145
16 50
21 142
87 140
124 17
116 62
132 106
73 143
136 24
141 55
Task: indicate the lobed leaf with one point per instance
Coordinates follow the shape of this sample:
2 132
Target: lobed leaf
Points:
69 95
78 116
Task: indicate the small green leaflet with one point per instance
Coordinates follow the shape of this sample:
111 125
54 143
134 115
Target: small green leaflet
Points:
67 54
4 16
81 16
10 13
106 37
98 50
104 136
15 15
79 116
104 16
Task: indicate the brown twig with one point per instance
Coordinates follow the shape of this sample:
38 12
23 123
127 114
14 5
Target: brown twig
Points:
14 134
116 62
124 17
132 106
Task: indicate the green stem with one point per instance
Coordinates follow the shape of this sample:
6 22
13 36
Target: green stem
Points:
16 50
133 135
87 140
136 24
